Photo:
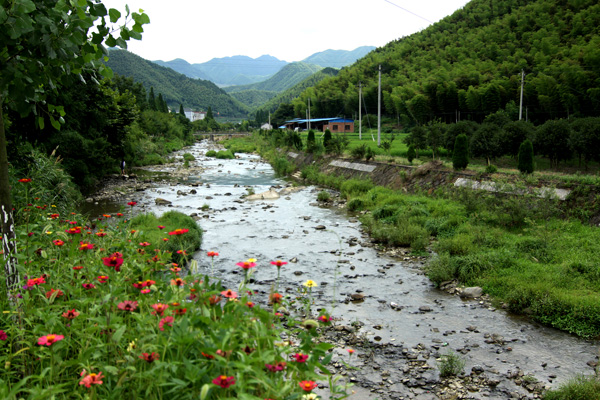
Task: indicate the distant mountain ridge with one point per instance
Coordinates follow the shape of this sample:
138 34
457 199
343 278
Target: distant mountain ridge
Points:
244 70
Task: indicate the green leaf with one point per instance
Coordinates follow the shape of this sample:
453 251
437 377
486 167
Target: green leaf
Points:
27 6
111 369
40 122
3 16
111 41
116 337
114 15
204 391
55 124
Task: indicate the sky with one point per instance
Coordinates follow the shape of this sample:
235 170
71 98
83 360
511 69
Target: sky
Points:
291 30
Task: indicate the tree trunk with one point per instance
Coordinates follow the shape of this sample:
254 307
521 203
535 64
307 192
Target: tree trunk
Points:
7 224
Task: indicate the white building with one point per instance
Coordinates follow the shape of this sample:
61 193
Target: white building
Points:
194 115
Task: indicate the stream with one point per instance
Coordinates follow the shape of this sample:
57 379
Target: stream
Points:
385 307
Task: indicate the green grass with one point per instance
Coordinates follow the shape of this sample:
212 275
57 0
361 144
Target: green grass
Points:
580 388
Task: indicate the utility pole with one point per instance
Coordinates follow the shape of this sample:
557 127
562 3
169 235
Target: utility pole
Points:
309 113
359 111
521 102
379 110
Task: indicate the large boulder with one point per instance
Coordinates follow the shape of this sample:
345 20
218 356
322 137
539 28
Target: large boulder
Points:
270 194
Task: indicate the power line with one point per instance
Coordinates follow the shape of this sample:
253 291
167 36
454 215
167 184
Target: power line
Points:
408 11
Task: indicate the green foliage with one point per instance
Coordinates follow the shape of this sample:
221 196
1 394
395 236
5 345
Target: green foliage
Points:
355 187
327 140
460 155
282 166
450 364
310 142
225 155
323 196
526 157
146 225
359 152
189 157
411 154
211 153
579 388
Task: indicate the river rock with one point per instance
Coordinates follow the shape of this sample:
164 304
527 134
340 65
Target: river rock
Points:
268 195
471 292
161 202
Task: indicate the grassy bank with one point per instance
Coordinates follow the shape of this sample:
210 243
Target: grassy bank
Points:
520 249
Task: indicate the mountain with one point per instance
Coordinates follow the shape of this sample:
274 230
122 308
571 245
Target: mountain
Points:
176 88
226 71
338 58
290 94
469 64
287 77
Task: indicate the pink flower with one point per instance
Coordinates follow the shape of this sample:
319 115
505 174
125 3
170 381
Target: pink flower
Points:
144 244
91 379
324 319
70 314
3 335
149 357
161 227
179 231
48 340
86 246
127 305
308 386
224 381
165 321
230 294
159 309
58 242
299 357
278 263
145 291
115 261
246 264
88 286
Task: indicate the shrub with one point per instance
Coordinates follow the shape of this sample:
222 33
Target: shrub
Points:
327 140
525 164
324 196
355 204
580 388
225 155
355 187
211 153
282 166
460 155
491 169
450 364
310 142
189 157
359 152
411 154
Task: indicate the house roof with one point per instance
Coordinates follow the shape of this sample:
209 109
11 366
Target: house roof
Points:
335 119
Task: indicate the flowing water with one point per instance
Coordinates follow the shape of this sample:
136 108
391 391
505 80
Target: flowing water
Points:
400 305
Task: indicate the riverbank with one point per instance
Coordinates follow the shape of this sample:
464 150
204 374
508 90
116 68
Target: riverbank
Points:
384 307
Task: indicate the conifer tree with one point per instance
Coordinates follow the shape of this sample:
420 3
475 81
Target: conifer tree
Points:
327 139
151 100
460 155
411 154
526 157
181 110
310 141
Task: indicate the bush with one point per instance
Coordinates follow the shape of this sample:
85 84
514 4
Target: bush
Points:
580 388
359 152
327 140
211 153
525 164
189 157
491 169
225 155
324 196
411 154
450 364
282 166
355 187
355 204
460 155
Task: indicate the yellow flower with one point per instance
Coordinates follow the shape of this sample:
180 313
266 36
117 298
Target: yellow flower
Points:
48 233
310 283
131 346
310 396
250 260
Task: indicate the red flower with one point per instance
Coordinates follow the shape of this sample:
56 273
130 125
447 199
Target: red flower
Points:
78 267
3 335
165 321
58 242
91 379
101 234
308 386
210 357
250 304
179 311
179 231
115 261
35 281
144 244
181 252
350 351
161 227
149 357
88 286
214 299
127 305
70 314
48 340
159 309
132 203
299 357
230 294
280 366
145 291
177 282
73 230
275 298
85 246
54 216
25 180
51 291
119 214
212 254
102 278
278 263
246 264
224 381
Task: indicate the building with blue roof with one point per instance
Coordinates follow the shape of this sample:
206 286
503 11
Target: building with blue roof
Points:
335 125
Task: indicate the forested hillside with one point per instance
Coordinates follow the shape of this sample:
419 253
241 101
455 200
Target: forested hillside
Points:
287 77
338 58
175 88
469 65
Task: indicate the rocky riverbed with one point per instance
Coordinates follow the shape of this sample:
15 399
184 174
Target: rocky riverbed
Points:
383 307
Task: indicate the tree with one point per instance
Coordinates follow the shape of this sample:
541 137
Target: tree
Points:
526 157
434 136
209 114
181 110
310 142
411 154
152 100
327 139
485 142
46 45
416 139
460 155
552 140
